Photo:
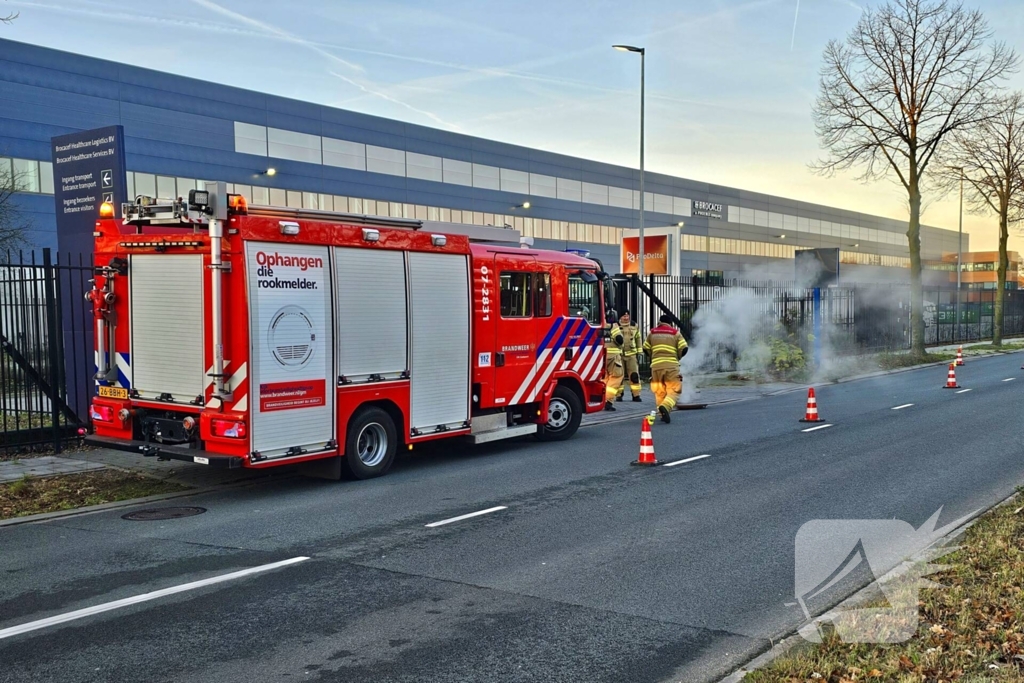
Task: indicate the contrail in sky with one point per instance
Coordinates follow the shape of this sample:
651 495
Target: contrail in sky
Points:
792 40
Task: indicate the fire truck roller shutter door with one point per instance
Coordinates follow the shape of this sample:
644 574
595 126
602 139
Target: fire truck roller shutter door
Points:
440 303
372 325
292 351
166 294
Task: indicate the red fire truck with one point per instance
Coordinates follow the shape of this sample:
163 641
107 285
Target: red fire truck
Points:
233 336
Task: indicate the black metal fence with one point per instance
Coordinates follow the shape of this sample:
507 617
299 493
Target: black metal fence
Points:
45 348
859 318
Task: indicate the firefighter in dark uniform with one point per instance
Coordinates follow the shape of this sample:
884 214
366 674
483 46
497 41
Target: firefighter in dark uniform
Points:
630 356
614 370
666 347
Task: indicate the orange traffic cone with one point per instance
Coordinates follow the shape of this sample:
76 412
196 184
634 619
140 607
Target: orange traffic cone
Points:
951 378
812 407
960 355
647 457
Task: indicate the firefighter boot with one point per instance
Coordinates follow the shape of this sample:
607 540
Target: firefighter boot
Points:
637 399
608 405
618 399
666 417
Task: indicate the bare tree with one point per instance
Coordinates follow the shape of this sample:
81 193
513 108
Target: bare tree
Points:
911 73
13 224
990 157
9 19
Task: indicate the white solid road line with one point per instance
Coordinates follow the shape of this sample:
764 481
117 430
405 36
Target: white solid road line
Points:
1009 379
814 429
462 517
964 391
905 405
683 462
145 597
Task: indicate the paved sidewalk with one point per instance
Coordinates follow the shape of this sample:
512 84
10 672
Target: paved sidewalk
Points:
187 474
46 466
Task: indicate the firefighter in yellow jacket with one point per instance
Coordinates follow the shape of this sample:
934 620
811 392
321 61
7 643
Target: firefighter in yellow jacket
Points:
630 356
614 370
665 346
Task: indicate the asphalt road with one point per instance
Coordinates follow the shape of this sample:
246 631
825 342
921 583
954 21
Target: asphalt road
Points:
592 570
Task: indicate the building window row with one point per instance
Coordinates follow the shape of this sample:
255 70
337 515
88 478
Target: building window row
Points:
304 147
26 175
277 143
721 245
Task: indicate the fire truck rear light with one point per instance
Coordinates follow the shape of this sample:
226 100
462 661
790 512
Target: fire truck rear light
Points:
289 227
189 423
231 429
101 413
123 415
371 235
438 240
106 210
238 204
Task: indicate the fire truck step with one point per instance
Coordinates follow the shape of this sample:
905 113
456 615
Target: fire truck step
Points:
504 433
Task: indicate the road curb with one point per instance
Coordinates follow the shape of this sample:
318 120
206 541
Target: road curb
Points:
113 505
795 640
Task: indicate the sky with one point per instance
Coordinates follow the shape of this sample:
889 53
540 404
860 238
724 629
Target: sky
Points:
730 83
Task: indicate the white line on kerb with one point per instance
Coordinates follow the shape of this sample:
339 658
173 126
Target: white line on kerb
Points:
1009 379
964 391
683 462
462 517
145 597
905 405
814 429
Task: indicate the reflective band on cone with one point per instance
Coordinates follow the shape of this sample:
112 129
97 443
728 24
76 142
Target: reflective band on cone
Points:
812 408
647 457
951 378
960 355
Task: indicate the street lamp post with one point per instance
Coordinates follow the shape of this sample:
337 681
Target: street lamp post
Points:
959 254
642 52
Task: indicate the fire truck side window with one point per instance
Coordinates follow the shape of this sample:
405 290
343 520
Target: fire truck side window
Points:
516 297
584 299
542 295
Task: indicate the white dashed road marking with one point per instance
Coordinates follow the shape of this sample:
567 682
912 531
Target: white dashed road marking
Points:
462 517
1009 379
814 429
964 391
905 405
145 597
683 462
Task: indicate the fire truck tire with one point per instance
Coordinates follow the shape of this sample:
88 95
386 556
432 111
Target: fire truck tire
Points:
564 414
371 443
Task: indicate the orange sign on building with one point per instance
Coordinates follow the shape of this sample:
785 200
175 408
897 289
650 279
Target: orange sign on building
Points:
655 256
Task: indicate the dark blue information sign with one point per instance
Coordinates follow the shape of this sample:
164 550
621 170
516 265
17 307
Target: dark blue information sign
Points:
88 169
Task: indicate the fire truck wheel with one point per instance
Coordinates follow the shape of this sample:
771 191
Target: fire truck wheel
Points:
564 414
371 443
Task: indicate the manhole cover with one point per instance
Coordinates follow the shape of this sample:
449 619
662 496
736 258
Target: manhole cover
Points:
157 514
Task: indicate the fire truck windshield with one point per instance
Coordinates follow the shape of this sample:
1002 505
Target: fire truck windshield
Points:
585 298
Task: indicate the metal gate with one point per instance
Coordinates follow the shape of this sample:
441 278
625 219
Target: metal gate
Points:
46 337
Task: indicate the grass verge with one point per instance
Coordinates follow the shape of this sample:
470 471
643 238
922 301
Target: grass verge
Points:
30 496
970 631
894 361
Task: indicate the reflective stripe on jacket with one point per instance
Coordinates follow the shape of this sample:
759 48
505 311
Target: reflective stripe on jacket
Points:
613 342
665 346
631 340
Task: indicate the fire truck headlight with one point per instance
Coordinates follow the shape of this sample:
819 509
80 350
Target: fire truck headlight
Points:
371 235
289 227
200 199
438 240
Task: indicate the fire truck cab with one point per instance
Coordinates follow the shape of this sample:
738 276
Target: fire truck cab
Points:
236 337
